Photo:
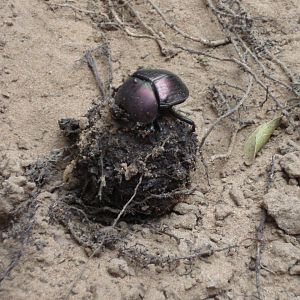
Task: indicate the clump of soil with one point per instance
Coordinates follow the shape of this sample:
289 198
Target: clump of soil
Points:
117 160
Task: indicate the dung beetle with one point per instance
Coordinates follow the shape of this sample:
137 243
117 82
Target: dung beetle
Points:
149 93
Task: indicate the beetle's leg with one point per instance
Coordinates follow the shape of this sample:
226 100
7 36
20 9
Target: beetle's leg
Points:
156 125
182 118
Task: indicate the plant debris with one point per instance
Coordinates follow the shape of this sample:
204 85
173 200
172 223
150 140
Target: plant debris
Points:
258 139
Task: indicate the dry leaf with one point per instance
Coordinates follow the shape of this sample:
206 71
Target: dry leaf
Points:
258 139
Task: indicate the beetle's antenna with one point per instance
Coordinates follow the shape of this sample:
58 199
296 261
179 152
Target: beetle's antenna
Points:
182 118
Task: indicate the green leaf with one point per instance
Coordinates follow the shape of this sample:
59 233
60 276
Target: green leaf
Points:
258 138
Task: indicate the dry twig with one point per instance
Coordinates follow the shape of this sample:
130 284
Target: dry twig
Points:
92 64
103 49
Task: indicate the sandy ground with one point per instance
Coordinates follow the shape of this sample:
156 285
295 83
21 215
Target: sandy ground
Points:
43 79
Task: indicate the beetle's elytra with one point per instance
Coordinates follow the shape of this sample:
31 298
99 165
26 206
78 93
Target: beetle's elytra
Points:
147 93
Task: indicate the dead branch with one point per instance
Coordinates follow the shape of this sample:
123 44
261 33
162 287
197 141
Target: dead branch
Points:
92 64
263 85
103 49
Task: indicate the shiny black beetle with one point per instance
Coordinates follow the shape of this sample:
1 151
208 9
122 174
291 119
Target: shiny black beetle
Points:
148 93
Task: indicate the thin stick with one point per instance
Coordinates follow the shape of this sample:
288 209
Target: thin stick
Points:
128 202
265 87
92 64
200 52
104 49
203 253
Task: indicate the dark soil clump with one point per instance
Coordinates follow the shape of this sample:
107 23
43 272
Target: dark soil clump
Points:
113 157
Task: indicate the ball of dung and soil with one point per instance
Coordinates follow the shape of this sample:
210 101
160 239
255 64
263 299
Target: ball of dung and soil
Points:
116 160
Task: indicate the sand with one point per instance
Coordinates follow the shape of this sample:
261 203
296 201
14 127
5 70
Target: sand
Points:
43 79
